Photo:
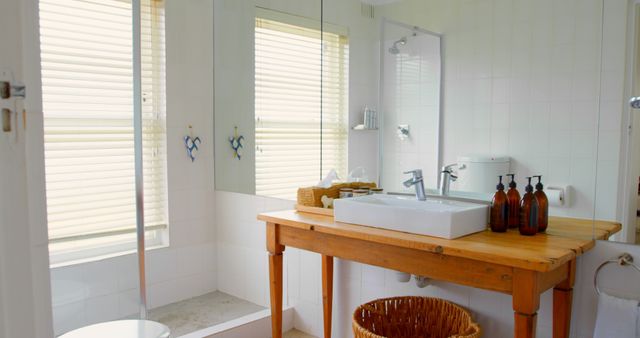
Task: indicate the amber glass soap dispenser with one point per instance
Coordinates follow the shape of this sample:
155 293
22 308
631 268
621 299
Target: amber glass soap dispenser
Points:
529 212
543 206
498 217
513 204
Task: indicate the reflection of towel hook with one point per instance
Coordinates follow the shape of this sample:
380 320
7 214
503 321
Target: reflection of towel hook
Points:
623 260
236 143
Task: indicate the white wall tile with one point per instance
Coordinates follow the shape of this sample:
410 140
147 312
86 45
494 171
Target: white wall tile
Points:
292 255
231 270
610 115
102 308
190 260
612 86
560 115
128 303
258 279
583 144
310 268
126 272
67 285
69 317
163 293
561 87
101 278
493 311
308 318
162 265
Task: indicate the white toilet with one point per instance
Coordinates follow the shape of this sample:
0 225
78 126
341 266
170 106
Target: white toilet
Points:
132 328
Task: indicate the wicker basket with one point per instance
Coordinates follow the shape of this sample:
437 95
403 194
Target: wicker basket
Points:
311 196
404 317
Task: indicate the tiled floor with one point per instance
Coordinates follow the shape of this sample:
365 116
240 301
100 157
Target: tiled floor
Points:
296 334
201 312
205 311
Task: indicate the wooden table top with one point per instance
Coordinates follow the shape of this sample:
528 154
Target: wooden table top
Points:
565 239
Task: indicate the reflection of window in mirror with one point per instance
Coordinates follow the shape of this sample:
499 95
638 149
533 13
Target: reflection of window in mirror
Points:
301 120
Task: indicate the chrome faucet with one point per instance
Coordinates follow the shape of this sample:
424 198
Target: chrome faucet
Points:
446 177
417 181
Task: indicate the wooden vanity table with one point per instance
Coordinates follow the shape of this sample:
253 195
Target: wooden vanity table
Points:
523 267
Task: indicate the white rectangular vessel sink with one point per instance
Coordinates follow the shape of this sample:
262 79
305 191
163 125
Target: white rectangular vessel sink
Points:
433 217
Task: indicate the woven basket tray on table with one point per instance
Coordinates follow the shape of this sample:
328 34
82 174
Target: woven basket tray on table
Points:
404 317
312 196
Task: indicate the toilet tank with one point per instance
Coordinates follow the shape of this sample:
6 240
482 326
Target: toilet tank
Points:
480 173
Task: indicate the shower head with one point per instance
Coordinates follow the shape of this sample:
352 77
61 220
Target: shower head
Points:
394 49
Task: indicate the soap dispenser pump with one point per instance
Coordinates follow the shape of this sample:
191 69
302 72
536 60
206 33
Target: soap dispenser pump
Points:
543 205
529 212
513 204
499 211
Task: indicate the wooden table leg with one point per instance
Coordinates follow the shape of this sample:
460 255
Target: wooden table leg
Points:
327 293
275 279
562 300
526 301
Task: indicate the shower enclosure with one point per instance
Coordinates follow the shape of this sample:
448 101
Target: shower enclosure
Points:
176 277
410 96
140 327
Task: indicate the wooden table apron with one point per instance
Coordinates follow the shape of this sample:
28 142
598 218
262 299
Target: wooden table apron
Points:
525 283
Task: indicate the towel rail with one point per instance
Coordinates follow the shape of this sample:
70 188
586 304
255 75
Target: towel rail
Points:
624 259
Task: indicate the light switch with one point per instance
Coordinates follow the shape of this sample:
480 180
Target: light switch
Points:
6 120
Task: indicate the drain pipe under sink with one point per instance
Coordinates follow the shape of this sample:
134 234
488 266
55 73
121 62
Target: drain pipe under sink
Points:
421 281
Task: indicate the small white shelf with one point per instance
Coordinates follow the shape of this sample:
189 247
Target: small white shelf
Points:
365 129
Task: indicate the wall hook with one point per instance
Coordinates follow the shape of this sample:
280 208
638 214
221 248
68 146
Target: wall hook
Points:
192 143
236 143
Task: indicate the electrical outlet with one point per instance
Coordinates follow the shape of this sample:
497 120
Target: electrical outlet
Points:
6 120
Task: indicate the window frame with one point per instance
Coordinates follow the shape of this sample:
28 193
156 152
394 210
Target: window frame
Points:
114 240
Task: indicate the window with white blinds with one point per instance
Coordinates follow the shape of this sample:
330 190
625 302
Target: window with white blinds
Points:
87 85
301 102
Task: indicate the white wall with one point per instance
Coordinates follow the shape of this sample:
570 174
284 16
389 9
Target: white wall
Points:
243 272
533 96
522 79
107 289
242 255
25 307
411 96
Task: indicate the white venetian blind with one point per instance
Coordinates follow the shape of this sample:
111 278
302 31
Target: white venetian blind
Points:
291 122
87 84
335 103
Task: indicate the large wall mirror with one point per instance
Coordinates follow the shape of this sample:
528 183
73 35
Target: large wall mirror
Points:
618 159
268 80
292 85
488 87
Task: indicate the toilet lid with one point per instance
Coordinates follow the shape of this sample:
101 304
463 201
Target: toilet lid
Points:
122 329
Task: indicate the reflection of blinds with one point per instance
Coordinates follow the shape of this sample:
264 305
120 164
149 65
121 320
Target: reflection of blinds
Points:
288 110
335 105
87 84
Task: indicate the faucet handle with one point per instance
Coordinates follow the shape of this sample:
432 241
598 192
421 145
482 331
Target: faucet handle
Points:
449 167
415 172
